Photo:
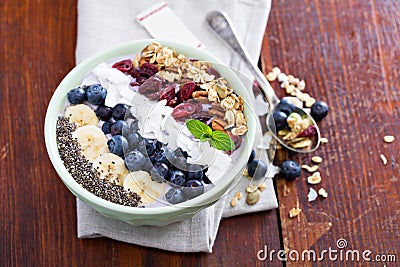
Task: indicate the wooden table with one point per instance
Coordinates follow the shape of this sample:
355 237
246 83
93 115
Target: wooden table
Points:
348 52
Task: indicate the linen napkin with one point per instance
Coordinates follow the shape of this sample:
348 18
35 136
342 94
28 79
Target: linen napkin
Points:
104 23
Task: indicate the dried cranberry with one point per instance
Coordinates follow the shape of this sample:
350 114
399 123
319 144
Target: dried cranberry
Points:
152 85
168 93
310 131
147 70
186 91
212 71
186 109
124 65
134 72
153 96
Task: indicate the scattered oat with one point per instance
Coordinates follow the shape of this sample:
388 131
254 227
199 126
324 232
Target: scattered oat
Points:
315 178
253 197
384 159
246 173
251 188
316 159
294 212
323 140
388 138
312 195
310 169
322 192
234 202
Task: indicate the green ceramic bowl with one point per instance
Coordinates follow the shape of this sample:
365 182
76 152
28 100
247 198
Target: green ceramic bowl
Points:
145 216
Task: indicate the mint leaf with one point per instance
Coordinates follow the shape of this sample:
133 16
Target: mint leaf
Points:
221 141
205 137
198 128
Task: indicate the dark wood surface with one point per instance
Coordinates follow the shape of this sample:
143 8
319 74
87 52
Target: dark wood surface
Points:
347 51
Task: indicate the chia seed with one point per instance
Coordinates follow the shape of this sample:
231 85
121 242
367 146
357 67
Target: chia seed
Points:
82 171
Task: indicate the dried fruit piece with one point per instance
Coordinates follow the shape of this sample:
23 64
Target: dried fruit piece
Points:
151 85
123 65
186 109
186 90
294 212
148 69
388 138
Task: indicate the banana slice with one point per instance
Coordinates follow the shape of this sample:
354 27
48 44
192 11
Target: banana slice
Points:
92 140
81 114
140 182
111 167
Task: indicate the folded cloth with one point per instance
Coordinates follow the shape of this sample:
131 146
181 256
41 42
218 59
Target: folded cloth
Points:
103 23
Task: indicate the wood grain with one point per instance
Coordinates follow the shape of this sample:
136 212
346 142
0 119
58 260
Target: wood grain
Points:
349 57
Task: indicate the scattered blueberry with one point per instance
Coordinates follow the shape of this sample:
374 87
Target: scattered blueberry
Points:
96 94
257 169
119 111
133 140
134 160
193 188
285 106
252 156
159 172
280 120
117 144
118 127
76 96
106 127
319 110
103 112
195 172
290 169
160 156
150 146
175 196
177 178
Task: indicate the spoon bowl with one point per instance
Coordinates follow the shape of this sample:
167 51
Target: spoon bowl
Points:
222 26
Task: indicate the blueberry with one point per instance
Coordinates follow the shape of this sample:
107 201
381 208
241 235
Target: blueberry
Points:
118 111
252 156
134 160
180 153
177 178
160 156
76 96
290 169
117 144
150 146
195 172
280 120
319 110
96 94
133 140
103 112
285 106
180 163
106 127
118 127
175 196
159 172
257 169
193 188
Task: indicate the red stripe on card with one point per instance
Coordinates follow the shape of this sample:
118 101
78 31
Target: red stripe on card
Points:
152 12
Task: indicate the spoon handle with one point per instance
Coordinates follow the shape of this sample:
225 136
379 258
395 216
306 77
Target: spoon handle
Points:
222 26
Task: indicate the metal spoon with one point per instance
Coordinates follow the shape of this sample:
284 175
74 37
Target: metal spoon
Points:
223 27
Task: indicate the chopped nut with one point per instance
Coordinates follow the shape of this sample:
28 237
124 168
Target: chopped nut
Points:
316 159
322 192
294 212
310 169
229 116
216 112
384 159
234 202
253 197
216 125
301 85
246 173
239 130
315 178
388 138
199 93
323 140
301 144
238 195
262 186
310 102
271 76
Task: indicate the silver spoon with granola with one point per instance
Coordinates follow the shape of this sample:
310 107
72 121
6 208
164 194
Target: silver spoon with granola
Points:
294 128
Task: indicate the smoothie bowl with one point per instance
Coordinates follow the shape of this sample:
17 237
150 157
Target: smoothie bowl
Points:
150 132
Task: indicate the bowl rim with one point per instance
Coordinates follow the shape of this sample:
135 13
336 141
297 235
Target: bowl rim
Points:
128 49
